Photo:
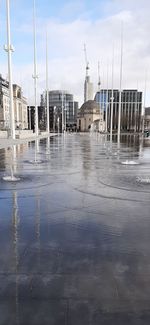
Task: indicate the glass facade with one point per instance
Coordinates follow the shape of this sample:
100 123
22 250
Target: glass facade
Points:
131 108
61 102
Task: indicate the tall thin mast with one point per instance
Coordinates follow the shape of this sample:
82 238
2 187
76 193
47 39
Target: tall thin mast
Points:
120 89
99 79
112 96
86 60
62 110
99 90
86 83
103 100
47 90
106 122
9 49
144 102
35 76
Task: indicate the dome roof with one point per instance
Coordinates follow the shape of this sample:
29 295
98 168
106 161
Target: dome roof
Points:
89 106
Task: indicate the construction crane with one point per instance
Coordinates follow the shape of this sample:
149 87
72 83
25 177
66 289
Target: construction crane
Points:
86 60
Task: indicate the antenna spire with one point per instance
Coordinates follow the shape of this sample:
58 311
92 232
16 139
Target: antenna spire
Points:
99 79
86 60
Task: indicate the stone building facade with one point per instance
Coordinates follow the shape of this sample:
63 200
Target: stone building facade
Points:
4 104
90 117
20 106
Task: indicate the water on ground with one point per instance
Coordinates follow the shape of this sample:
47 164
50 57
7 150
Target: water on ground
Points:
75 232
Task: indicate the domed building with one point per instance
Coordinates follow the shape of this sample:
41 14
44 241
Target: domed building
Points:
90 117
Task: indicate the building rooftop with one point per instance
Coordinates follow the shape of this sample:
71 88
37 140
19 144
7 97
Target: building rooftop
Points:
89 106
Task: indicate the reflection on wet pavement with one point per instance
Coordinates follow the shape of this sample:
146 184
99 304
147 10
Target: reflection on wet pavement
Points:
75 232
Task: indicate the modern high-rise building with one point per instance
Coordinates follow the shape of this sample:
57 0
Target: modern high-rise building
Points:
131 108
62 109
20 106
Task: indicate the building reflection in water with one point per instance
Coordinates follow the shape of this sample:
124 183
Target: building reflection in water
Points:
3 159
48 145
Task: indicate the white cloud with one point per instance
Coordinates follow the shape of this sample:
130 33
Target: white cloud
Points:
66 56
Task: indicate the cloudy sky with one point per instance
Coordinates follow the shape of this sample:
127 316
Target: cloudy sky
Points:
70 24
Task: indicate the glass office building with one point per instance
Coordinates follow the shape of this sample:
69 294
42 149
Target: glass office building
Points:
61 102
131 108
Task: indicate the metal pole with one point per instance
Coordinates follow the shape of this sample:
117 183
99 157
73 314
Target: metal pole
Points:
47 91
9 49
35 76
29 118
58 124
62 110
65 113
112 97
99 92
106 122
120 89
135 111
144 102
54 119
103 103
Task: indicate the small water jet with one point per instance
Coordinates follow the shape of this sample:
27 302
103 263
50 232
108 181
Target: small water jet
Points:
130 162
35 161
12 177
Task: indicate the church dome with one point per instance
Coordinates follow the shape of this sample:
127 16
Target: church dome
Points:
90 107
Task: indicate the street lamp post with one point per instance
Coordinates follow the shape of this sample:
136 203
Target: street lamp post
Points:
9 49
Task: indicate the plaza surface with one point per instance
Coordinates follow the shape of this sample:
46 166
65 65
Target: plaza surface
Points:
75 232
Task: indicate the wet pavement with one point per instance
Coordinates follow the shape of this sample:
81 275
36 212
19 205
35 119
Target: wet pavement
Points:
75 232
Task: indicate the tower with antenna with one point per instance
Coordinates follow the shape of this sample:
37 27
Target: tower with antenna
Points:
88 85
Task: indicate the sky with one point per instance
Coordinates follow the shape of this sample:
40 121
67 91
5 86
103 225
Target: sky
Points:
70 25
